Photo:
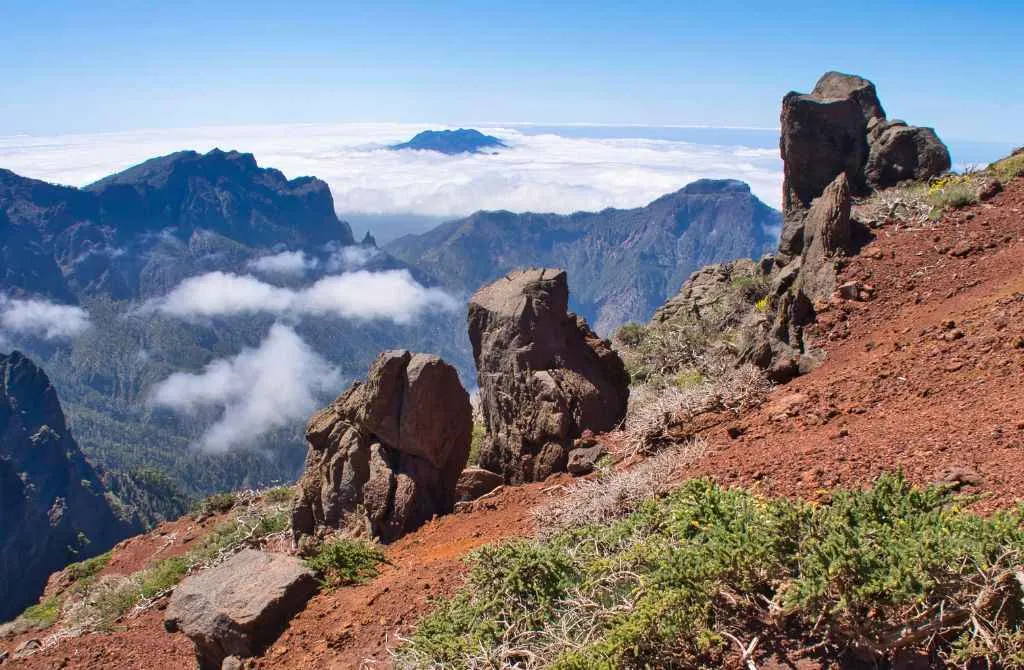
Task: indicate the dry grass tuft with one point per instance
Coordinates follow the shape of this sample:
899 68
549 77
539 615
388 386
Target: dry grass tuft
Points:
659 415
617 494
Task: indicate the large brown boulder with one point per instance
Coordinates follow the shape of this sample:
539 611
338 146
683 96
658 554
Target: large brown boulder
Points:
841 127
544 376
900 152
392 446
240 606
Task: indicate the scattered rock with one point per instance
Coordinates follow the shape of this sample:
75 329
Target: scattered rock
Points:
959 477
240 606
393 446
961 249
475 482
27 648
544 376
233 662
582 460
989 189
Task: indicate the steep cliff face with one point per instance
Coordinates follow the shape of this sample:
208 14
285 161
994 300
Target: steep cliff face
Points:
622 263
52 505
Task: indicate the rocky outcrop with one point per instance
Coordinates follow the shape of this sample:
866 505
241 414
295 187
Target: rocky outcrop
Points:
704 289
836 144
544 376
53 508
240 606
840 127
392 446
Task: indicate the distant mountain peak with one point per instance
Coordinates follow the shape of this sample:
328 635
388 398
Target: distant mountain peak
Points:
451 142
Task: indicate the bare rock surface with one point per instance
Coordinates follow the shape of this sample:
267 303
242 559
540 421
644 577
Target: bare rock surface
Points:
476 482
544 376
390 448
841 127
240 606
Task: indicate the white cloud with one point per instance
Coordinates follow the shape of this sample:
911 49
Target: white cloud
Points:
287 263
42 318
348 258
392 295
542 172
259 390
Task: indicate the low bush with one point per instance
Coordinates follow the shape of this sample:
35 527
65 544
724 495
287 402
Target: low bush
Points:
43 614
86 570
279 494
1010 167
709 575
344 561
218 503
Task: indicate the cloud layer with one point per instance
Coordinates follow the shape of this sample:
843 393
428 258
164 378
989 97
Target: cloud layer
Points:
41 318
272 386
390 295
286 263
543 171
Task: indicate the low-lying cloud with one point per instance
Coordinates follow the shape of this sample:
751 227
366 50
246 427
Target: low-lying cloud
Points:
542 172
41 318
260 390
387 295
286 263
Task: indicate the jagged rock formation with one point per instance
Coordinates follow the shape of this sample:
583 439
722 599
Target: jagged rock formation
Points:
836 144
622 263
841 127
239 606
393 445
544 376
52 505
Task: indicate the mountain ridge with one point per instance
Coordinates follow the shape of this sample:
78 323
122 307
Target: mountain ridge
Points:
622 263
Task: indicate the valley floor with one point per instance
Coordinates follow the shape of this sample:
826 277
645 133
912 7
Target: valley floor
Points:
927 377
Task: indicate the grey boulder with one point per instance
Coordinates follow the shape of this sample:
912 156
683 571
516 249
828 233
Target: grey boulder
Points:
240 606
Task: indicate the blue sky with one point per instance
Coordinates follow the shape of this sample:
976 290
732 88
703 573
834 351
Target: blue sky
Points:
75 67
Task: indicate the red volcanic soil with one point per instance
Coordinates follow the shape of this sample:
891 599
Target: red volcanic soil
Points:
347 628
927 377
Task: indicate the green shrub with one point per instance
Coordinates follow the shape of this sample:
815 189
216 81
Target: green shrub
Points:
85 571
218 503
343 561
1010 167
630 334
279 495
43 614
163 576
477 441
953 196
689 580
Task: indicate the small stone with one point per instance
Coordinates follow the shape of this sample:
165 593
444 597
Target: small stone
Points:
27 648
989 189
962 249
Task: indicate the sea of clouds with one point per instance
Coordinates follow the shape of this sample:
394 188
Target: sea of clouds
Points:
542 171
